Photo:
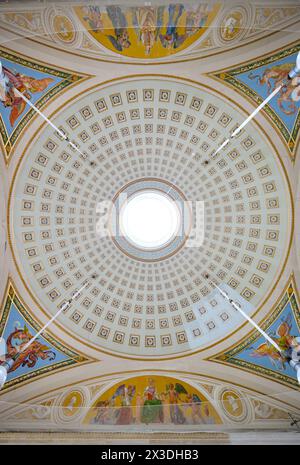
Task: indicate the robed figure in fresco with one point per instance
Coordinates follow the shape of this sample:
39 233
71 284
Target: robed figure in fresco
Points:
176 413
147 22
196 18
154 400
172 38
93 16
152 411
102 412
126 395
121 38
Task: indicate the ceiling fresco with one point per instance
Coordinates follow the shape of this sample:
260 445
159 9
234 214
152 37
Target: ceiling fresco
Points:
256 80
171 31
40 83
255 354
157 399
45 356
149 344
147 32
150 401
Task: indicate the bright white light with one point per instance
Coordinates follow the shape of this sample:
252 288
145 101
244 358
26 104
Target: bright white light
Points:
3 376
149 219
3 349
296 70
298 62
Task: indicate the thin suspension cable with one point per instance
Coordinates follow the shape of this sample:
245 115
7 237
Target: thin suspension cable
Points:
245 122
9 363
257 110
62 308
247 317
48 121
250 117
237 130
224 144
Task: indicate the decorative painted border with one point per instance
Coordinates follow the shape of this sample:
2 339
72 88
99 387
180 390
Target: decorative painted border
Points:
74 357
227 358
228 76
69 79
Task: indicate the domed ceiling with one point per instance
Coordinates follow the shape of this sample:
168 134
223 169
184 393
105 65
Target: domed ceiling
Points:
149 314
147 132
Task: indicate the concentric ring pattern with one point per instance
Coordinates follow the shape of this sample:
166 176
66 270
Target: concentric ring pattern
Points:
148 127
157 186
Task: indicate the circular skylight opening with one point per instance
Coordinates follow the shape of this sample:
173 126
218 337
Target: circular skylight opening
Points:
149 220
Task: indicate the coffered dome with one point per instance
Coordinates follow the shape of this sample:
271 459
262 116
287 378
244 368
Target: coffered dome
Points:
158 133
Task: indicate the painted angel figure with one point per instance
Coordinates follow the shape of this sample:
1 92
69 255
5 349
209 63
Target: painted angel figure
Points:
7 96
272 76
102 412
289 95
16 342
176 413
92 15
126 395
121 38
195 403
28 85
286 341
196 19
172 39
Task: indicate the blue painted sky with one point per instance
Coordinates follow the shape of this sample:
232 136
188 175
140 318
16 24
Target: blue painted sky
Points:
14 317
15 67
264 361
262 90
